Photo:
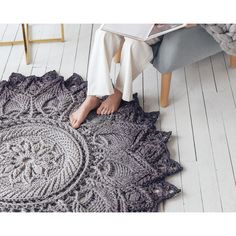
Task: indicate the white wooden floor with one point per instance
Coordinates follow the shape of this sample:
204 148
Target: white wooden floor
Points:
201 115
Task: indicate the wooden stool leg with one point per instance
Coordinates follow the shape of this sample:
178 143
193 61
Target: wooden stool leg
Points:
62 33
232 61
165 89
25 33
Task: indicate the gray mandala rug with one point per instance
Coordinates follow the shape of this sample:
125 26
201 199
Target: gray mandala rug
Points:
115 163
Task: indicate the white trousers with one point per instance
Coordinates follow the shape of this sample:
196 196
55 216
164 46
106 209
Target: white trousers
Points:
135 55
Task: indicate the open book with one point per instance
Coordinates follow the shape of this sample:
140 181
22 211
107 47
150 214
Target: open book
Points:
142 32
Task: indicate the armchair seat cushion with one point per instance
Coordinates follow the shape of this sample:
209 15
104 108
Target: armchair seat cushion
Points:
183 47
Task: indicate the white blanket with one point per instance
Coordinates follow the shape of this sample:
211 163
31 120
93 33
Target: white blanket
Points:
224 34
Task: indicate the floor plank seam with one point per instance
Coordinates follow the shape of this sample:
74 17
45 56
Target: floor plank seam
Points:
5 29
11 47
177 142
90 46
77 45
193 137
209 133
230 156
36 51
213 73
190 116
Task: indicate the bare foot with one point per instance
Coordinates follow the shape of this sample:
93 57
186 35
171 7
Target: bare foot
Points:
111 104
78 117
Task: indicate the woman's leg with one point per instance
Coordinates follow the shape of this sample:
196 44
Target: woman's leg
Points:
105 46
99 81
135 55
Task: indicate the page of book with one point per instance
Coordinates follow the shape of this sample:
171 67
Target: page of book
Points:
140 31
158 28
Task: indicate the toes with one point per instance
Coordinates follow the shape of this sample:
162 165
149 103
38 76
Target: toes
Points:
72 120
103 111
112 111
99 110
73 123
76 125
106 111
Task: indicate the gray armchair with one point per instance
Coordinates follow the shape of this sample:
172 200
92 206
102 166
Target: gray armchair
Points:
178 49
181 48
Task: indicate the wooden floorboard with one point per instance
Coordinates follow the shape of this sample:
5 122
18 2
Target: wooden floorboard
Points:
83 50
192 195
201 114
14 59
9 34
204 155
70 49
167 122
220 149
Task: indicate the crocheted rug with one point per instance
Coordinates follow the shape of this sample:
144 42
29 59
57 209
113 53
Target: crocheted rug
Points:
115 163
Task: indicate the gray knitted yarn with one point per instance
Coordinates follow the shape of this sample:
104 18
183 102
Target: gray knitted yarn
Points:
115 163
224 34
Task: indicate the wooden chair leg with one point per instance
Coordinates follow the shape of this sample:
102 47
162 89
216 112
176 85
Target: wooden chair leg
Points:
232 61
165 88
